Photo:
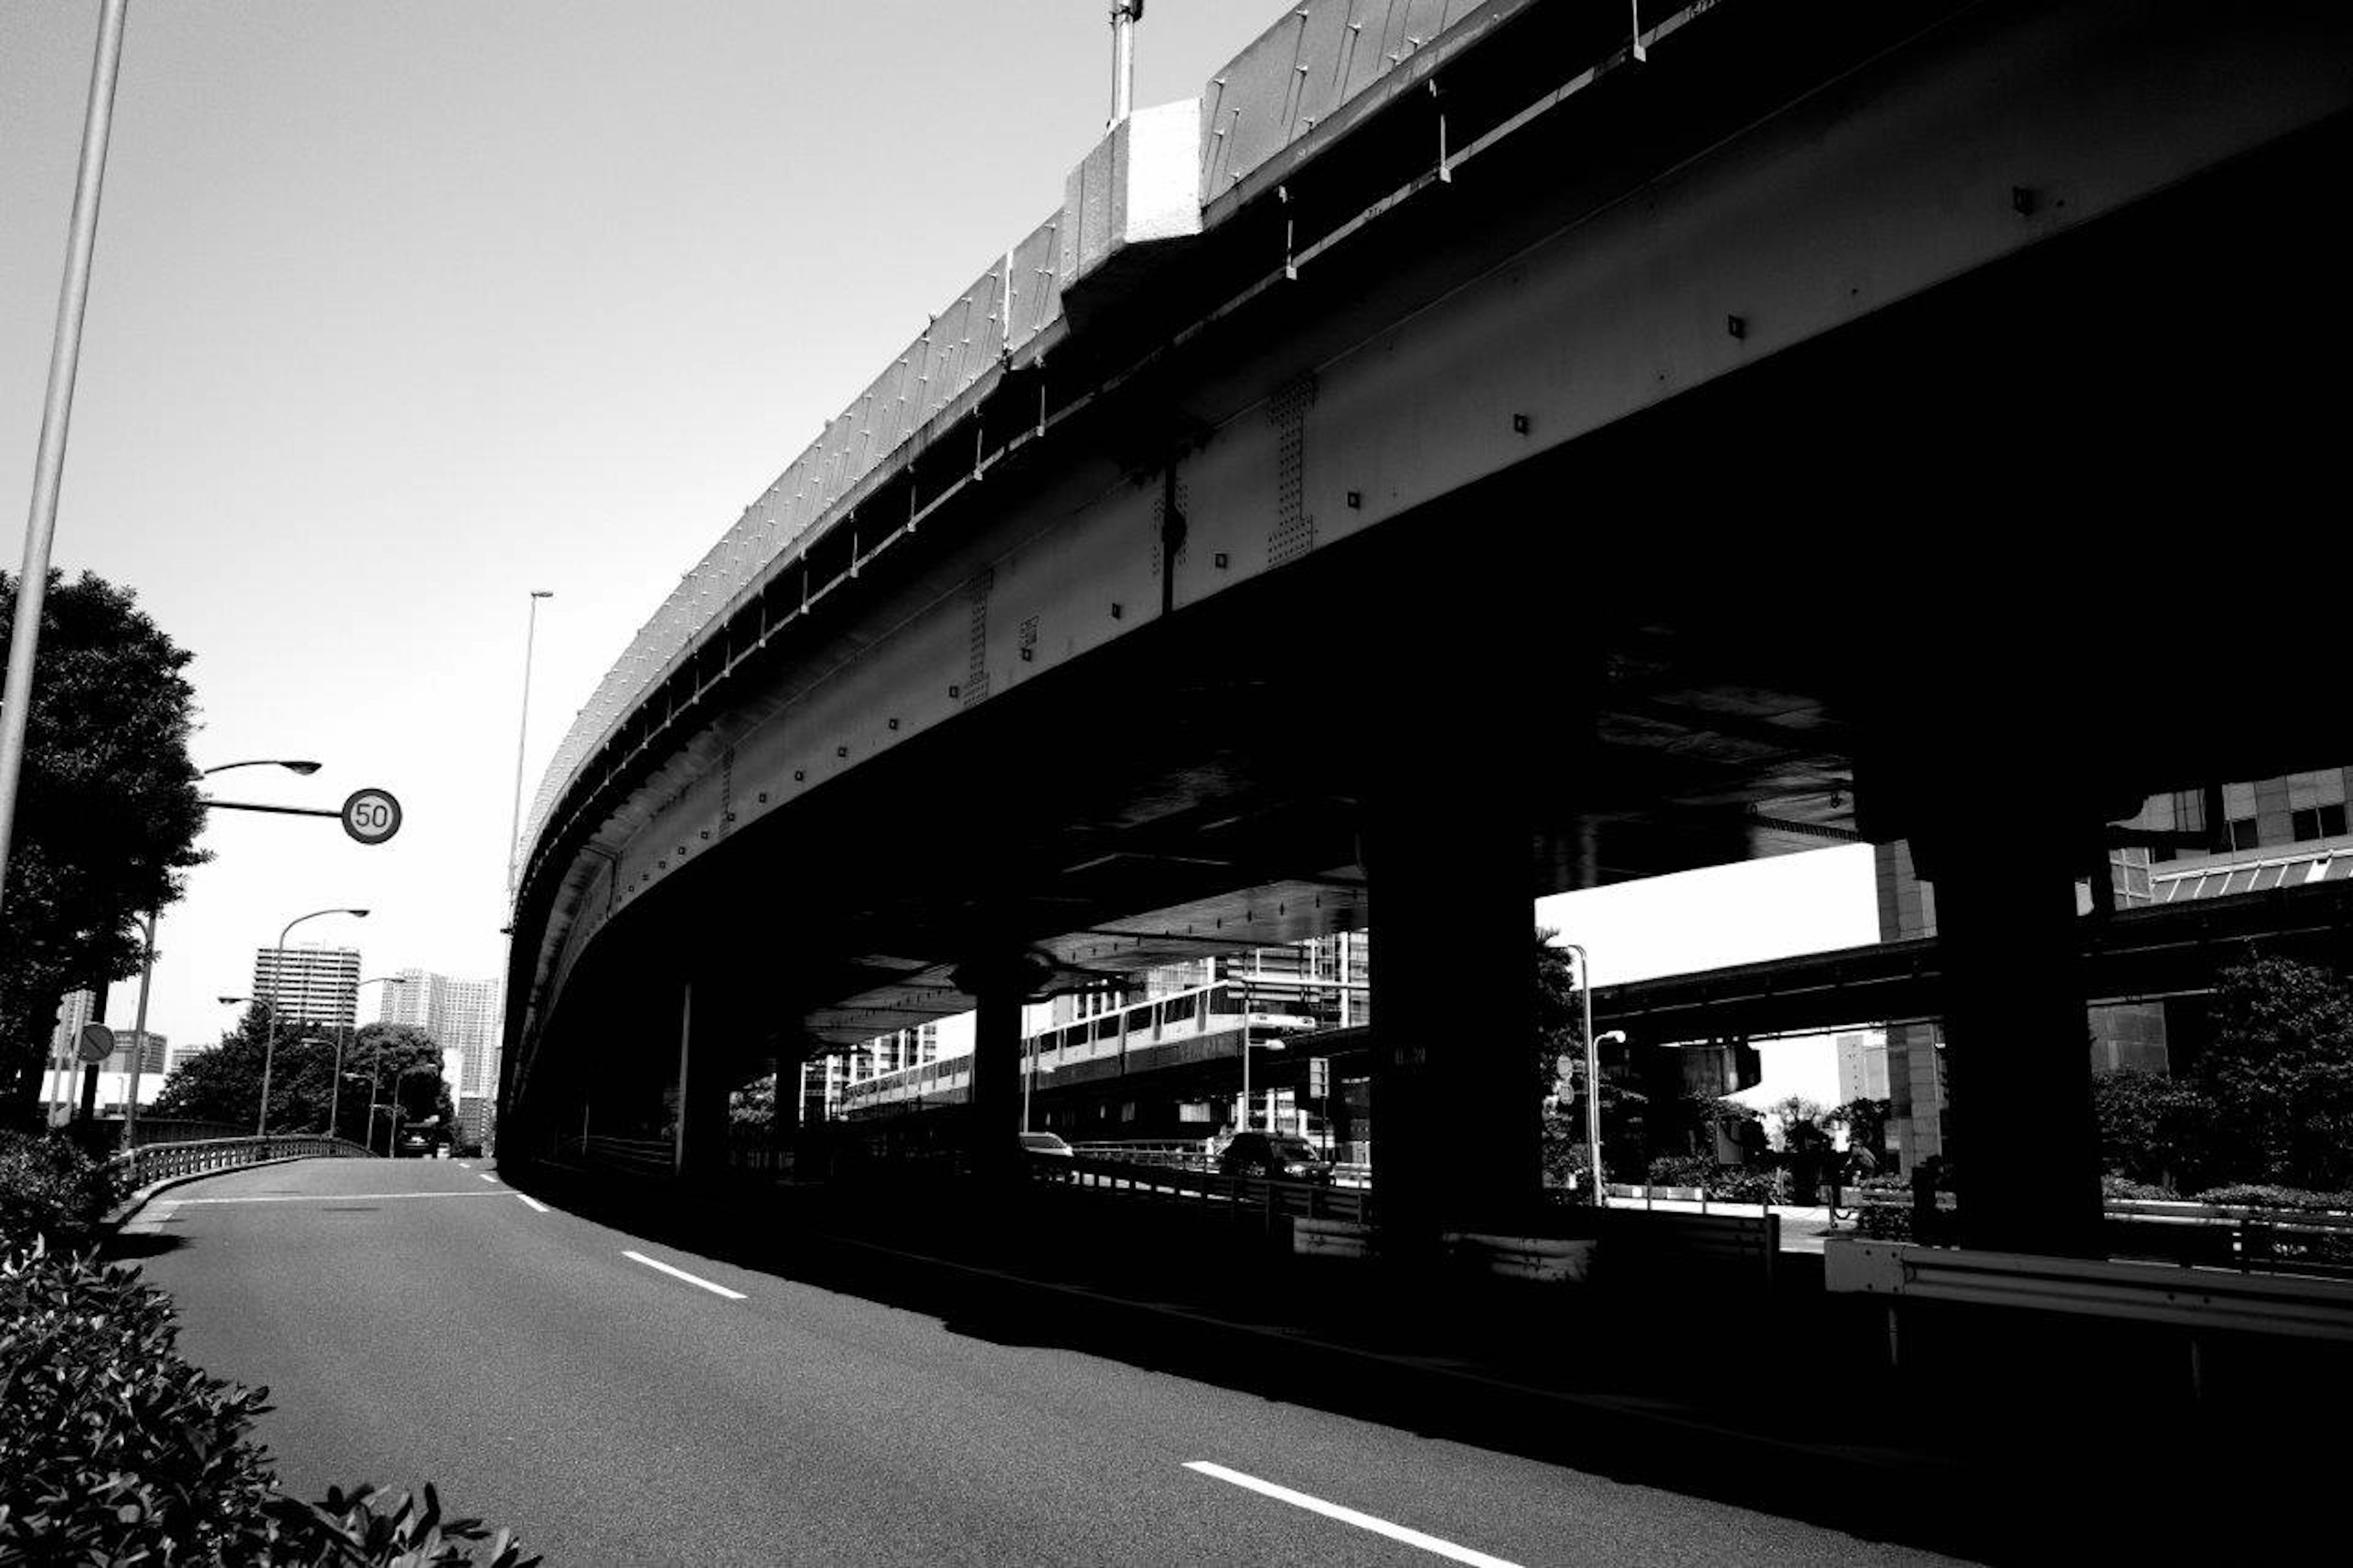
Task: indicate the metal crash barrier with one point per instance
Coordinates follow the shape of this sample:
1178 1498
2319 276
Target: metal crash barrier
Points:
1239 1194
152 1162
2202 1300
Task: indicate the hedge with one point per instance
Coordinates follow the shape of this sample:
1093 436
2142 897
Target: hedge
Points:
49 1188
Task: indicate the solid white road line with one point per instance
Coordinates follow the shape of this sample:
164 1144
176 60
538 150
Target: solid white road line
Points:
683 1274
536 1207
328 1198
1350 1516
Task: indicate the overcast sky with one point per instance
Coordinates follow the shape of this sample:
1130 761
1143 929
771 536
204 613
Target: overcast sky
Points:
403 310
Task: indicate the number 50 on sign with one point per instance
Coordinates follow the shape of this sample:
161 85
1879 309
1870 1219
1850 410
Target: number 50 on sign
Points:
371 815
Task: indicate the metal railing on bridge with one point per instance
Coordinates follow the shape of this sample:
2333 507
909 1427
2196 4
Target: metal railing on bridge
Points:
151 1162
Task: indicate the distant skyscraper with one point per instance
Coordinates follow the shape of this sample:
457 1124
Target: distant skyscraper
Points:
152 1060
462 1015
310 984
181 1056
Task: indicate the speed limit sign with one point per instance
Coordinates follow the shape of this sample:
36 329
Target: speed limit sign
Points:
371 815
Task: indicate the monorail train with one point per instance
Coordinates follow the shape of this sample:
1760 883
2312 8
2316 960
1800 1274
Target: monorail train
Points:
1211 1015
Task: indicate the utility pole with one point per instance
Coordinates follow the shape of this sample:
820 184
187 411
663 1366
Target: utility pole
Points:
56 413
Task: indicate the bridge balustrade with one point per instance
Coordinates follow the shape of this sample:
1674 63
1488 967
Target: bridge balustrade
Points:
152 1162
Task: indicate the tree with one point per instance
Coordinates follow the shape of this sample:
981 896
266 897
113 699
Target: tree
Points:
107 812
1805 1146
224 1084
755 1104
1559 1029
2280 1073
1865 1121
2155 1129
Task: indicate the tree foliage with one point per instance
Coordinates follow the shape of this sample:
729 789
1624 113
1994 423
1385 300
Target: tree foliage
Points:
107 811
2280 1073
1560 1032
224 1084
2270 1101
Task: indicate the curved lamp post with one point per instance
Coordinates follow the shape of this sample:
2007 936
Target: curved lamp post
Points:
147 953
269 1044
335 1094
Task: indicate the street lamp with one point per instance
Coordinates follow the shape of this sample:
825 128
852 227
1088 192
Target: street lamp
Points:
523 728
147 954
335 1095
269 1043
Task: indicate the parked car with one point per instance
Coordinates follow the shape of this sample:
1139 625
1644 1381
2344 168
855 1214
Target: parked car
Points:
1045 1143
1272 1155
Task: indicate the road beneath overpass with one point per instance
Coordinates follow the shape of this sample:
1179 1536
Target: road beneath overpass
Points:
420 1320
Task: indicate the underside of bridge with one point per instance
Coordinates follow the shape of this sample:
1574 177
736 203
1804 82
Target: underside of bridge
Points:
1935 572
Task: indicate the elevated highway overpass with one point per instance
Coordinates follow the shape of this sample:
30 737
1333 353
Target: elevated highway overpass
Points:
1524 454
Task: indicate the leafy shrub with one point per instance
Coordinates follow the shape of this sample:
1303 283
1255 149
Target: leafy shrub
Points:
49 1188
1745 1185
1680 1171
114 1449
2115 1187
2251 1195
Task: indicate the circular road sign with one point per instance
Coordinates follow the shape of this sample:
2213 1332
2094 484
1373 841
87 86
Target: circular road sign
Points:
371 815
97 1043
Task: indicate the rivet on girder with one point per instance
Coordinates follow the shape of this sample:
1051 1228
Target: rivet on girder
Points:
1116 611
842 751
1519 424
1220 559
1736 325
956 691
2022 200
763 797
1355 500
799 774
894 723
706 834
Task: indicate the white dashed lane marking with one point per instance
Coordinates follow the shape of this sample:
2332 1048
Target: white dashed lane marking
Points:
683 1274
1430 1543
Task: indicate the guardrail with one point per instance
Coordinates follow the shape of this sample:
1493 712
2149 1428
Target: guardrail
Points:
2199 1300
1191 1154
151 1162
641 1156
1266 1199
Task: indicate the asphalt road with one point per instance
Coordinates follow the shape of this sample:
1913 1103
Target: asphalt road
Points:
417 1320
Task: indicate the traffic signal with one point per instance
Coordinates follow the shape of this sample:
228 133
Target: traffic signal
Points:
1319 1077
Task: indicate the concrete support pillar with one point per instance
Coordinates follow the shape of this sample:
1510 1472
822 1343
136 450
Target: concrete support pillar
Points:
711 1028
1000 983
1456 1111
2023 1138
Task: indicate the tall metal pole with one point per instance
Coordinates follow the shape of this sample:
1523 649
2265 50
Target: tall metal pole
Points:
147 963
270 1040
522 732
1124 15
56 413
138 1033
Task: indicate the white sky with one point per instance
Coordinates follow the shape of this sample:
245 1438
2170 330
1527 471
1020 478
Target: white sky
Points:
403 310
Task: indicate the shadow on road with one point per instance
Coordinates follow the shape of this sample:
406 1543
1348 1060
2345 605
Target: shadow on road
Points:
138 1244
1676 1395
